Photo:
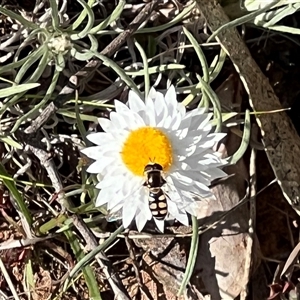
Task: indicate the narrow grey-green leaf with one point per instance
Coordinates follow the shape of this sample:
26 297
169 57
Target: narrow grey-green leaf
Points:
16 89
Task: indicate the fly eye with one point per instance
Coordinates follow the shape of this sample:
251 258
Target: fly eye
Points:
157 167
148 168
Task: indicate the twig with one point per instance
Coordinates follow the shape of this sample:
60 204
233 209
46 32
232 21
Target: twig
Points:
136 267
12 244
103 261
68 91
33 144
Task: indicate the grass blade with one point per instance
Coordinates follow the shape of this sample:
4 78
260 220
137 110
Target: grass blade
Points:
192 257
87 271
6 92
10 184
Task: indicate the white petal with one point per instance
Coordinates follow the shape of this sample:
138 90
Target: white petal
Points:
178 215
160 108
194 207
151 114
106 124
118 120
160 224
209 141
99 138
186 120
115 201
204 191
133 120
208 160
109 181
195 175
117 210
181 188
172 206
181 109
182 217
205 118
217 136
110 151
93 152
171 190
129 211
103 197
115 170
200 121
165 122
140 221
171 100
153 94
180 177
107 164
216 173
144 203
97 152
176 121
121 107
98 166
131 186
135 102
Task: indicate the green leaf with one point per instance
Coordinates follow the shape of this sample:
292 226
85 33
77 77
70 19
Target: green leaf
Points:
72 115
39 105
111 18
18 17
10 184
13 90
29 277
192 257
122 74
87 271
89 257
146 67
245 141
9 141
86 11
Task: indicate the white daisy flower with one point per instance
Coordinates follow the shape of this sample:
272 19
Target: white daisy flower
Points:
153 156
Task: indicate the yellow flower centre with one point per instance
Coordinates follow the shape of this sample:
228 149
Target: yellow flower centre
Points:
146 145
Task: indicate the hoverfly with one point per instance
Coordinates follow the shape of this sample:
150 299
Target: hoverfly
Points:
157 198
